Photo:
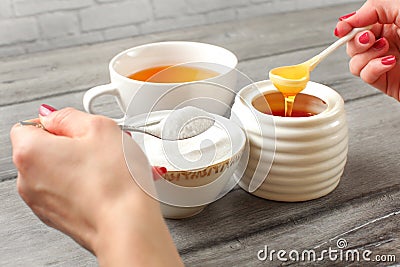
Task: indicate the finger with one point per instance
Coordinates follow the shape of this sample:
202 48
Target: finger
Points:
393 82
359 61
23 190
373 12
45 110
68 122
366 15
374 72
360 43
158 172
369 14
342 28
27 141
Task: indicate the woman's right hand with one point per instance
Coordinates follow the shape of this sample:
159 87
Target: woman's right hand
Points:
374 53
75 178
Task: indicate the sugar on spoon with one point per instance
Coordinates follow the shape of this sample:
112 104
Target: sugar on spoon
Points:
291 80
179 124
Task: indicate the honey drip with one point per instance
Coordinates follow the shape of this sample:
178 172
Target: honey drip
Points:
288 89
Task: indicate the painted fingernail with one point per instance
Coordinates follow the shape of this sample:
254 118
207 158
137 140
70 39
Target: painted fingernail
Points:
389 60
128 133
158 172
379 44
335 32
161 170
364 38
347 16
46 110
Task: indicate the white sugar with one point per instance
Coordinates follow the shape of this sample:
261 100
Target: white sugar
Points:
193 151
185 123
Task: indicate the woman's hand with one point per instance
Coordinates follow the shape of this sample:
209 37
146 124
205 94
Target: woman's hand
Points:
75 179
374 54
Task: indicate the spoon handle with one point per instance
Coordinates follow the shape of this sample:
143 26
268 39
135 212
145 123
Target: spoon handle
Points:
32 123
318 58
131 128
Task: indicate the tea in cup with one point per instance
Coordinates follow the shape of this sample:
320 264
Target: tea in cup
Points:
161 76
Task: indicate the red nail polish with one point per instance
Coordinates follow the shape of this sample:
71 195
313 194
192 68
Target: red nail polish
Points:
347 16
128 133
389 60
364 38
162 170
158 172
335 32
45 110
379 44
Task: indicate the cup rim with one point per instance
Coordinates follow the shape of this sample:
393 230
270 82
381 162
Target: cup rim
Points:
234 61
225 121
265 86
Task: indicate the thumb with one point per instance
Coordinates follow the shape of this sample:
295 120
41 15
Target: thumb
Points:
372 12
366 15
383 12
66 122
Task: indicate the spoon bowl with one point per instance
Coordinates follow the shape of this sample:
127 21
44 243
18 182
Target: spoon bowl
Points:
155 129
179 124
290 80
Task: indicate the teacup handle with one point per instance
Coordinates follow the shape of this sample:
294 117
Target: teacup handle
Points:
95 92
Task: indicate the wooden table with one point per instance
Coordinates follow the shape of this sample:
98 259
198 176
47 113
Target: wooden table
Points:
364 209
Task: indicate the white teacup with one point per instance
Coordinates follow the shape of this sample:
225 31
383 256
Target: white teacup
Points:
137 97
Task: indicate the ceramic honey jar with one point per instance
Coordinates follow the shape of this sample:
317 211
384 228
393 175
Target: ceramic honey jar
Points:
292 158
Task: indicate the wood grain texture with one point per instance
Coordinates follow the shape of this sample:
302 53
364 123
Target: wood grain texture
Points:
26 241
361 224
75 69
364 209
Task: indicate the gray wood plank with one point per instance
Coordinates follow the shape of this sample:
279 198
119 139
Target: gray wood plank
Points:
45 74
361 225
26 241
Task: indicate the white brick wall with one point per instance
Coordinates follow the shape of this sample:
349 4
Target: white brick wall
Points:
59 24
36 25
32 7
18 30
114 14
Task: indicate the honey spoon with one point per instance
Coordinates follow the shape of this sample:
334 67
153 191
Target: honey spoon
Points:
290 80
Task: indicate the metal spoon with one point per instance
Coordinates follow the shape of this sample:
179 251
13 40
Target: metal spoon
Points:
32 123
187 127
157 130
179 124
122 126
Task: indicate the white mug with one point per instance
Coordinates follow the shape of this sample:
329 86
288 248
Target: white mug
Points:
137 97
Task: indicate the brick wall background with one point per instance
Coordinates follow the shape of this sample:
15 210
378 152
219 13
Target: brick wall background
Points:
34 25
